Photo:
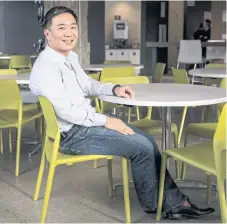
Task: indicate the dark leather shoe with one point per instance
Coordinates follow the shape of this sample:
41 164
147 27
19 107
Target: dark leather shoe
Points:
191 211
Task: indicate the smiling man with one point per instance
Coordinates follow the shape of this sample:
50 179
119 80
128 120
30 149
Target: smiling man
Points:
58 76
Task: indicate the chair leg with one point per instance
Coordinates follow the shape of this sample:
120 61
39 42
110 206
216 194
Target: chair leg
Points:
18 151
129 114
40 176
208 191
126 190
47 192
177 163
161 187
183 166
181 125
10 141
96 164
110 177
222 200
137 113
1 141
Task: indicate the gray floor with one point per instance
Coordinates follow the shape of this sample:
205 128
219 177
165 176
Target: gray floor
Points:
80 193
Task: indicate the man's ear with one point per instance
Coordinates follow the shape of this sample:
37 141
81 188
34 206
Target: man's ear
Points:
47 34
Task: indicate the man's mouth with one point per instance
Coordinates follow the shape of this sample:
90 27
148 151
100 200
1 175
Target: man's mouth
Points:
67 41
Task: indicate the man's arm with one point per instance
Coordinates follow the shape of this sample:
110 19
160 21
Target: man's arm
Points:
50 85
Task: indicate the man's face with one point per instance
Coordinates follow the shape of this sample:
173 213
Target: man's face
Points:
62 34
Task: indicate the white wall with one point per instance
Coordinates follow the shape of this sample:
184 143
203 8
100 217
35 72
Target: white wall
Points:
130 11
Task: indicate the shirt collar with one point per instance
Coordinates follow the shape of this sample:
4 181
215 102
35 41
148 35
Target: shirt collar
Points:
57 57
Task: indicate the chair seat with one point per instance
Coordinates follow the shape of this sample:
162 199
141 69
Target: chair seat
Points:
69 159
9 118
205 130
200 156
152 126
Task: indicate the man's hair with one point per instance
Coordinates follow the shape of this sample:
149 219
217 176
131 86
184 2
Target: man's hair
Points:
55 11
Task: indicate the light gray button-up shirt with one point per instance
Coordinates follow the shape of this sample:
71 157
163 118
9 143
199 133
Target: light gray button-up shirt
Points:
62 80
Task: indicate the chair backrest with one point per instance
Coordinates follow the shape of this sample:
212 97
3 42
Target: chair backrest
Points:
215 52
221 105
219 143
4 63
8 71
216 66
190 52
10 98
95 76
158 73
105 106
52 132
116 62
180 76
117 72
20 62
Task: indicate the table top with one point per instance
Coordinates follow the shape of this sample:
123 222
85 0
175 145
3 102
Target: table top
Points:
171 95
209 72
99 67
19 78
7 57
177 43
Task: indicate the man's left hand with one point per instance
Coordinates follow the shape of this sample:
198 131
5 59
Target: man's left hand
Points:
125 91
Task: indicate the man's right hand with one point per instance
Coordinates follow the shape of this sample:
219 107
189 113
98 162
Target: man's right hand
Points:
118 125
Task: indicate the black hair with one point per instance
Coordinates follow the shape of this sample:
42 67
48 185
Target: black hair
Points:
55 11
208 22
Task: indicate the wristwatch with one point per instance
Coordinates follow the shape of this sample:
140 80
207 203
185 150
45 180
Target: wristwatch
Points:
113 90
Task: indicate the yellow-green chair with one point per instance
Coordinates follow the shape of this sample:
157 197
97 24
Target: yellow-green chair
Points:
158 73
205 130
110 62
21 63
95 76
55 158
125 71
8 71
209 157
104 106
112 72
13 116
4 63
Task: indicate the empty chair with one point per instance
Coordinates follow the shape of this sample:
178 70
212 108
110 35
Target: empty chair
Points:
21 63
158 73
190 52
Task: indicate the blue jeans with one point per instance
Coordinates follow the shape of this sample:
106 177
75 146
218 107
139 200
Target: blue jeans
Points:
142 151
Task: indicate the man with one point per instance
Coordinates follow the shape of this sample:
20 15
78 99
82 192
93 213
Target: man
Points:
58 76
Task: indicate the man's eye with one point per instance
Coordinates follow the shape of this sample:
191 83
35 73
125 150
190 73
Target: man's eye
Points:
61 28
74 27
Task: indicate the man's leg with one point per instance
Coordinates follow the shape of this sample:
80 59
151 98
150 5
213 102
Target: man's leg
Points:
141 151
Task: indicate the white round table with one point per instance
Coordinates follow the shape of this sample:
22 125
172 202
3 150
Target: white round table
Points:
99 67
19 78
169 95
7 57
219 73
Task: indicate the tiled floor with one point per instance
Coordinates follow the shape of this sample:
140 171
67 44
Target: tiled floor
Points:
80 193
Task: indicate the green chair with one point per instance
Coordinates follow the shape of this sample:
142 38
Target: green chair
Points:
21 63
205 130
12 115
158 73
112 62
125 71
4 63
104 106
209 157
54 157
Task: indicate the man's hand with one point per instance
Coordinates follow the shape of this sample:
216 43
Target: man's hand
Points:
118 125
125 91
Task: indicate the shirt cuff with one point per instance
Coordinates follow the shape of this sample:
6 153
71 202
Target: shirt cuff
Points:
107 89
100 119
